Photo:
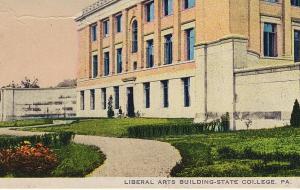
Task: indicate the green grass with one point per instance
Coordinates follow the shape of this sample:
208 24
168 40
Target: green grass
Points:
201 158
107 127
77 160
24 123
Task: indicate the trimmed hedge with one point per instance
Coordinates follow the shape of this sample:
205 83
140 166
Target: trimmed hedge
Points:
148 131
49 140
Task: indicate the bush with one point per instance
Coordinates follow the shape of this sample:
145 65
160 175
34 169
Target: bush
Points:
225 122
51 139
110 110
295 117
227 153
31 161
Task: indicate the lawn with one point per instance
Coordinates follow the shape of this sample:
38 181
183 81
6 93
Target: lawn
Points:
77 160
273 152
107 127
23 123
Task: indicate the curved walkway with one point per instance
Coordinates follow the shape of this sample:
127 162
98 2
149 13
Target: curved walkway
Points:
125 157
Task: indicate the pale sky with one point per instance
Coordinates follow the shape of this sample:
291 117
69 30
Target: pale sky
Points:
38 38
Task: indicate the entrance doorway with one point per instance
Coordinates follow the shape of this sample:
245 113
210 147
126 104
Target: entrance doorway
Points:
130 102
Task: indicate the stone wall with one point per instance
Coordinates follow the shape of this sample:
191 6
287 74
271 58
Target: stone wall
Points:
37 103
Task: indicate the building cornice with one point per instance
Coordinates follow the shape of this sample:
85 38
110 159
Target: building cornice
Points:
95 7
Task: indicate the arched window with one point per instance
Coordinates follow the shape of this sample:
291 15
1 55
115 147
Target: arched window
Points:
134 36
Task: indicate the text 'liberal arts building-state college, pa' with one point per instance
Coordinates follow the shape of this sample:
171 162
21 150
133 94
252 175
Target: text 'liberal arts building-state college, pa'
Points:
191 58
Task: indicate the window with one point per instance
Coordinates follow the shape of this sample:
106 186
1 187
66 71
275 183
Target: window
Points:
103 97
105 28
295 3
94 32
134 36
92 99
270 40
95 66
106 63
272 1
297 45
189 4
119 23
82 100
165 87
168 49
147 94
168 7
119 60
149 11
149 54
135 65
116 90
190 43
186 92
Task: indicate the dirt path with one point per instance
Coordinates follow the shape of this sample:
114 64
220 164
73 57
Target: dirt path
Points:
125 157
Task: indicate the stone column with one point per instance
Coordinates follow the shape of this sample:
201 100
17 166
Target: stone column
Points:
177 31
287 28
100 49
140 20
125 39
112 43
254 26
157 32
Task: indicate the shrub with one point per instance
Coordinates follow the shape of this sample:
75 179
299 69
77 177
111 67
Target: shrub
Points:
227 153
30 161
295 117
110 110
225 122
51 139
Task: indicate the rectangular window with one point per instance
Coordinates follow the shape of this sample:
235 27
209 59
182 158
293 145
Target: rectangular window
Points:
82 106
147 94
168 49
297 45
165 87
105 28
116 90
270 40
189 4
168 7
295 3
106 63
186 92
119 60
150 54
190 43
134 36
92 99
149 11
94 32
103 97
95 66
119 23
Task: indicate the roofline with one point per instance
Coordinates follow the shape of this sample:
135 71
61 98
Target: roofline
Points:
55 88
95 7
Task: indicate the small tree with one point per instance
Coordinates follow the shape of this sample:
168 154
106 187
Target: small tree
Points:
110 110
295 117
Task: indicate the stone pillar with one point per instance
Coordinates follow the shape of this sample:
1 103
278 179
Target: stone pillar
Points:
140 20
287 28
177 31
125 39
157 32
112 44
254 26
100 49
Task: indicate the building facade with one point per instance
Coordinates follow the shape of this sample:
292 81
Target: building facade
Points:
21 103
191 58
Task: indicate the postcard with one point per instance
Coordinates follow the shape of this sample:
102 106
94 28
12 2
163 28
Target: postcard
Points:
149 94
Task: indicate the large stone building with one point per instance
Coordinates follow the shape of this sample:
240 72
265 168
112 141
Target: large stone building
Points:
191 58
24 103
